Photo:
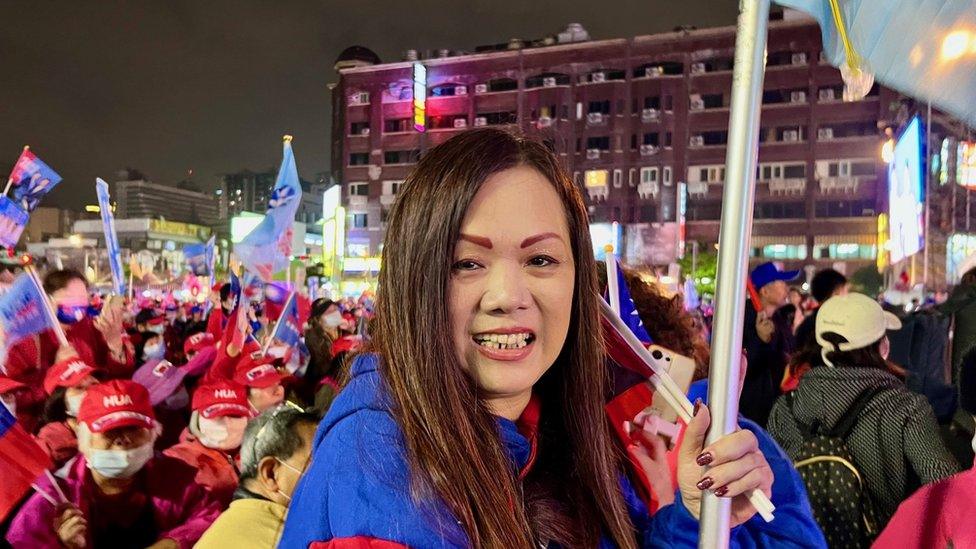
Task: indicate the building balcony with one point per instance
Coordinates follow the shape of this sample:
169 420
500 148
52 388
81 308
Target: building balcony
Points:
839 184
649 150
651 115
786 186
387 199
700 189
357 200
596 119
648 189
598 193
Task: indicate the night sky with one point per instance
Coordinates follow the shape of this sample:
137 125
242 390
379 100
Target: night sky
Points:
169 86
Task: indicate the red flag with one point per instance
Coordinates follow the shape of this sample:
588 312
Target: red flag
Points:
22 460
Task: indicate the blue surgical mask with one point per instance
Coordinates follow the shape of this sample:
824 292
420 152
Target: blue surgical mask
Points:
71 314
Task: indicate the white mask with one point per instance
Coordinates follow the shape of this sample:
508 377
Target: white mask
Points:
72 403
333 319
157 351
223 433
119 463
157 329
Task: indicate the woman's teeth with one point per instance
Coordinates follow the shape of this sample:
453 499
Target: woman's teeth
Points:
504 341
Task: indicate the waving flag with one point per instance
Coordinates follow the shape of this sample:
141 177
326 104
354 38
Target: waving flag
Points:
623 301
21 460
267 249
288 329
111 238
30 180
196 258
22 310
13 219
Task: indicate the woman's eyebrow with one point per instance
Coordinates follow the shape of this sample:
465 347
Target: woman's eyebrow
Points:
482 241
538 238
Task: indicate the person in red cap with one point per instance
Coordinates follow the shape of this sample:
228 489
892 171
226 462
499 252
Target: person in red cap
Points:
97 340
8 393
66 384
257 372
212 440
117 488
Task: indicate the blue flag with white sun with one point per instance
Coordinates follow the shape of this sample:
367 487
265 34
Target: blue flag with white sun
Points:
628 311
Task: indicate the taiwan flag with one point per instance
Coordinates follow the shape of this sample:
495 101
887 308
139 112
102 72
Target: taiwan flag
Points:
21 460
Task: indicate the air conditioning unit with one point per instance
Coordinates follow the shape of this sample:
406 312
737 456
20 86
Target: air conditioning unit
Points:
480 121
598 77
364 132
481 88
825 134
649 150
549 82
696 141
697 103
544 122
361 98
652 72
798 97
460 122
592 154
650 115
594 118
791 135
826 94
697 68
460 90
799 59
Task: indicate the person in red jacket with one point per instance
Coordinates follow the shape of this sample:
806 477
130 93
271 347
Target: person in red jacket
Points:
8 393
117 489
98 342
212 441
66 382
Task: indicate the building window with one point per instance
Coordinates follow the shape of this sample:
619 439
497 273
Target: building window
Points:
401 157
397 125
651 139
579 110
576 178
601 143
845 208
667 139
652 102
565 112
632 177
633 141
447 122
359 128
497 118
668 103
391 188
780 210
596 178
667 176
648 175
647 213
358 159
846 251
784 251
602 107
360 188
360 221
618 178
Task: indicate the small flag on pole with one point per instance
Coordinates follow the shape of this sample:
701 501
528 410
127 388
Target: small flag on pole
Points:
30 180
21 460
13 219
22 311
111 238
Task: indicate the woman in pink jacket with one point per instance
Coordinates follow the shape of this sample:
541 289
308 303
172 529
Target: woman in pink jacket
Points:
120 494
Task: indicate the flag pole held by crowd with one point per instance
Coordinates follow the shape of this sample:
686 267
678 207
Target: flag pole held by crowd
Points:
111 237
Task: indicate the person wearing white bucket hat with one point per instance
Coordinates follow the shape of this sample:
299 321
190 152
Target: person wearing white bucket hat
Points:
892 436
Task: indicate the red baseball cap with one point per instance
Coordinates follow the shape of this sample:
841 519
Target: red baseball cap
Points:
257 370
117 403
8 385
198 341
221 398
67 373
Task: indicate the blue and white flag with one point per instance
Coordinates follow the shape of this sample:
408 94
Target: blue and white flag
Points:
22 311
628 311
267 249
30 180
288 329
198 258
13 219
111 238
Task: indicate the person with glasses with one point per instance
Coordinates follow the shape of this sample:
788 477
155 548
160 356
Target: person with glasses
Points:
276 449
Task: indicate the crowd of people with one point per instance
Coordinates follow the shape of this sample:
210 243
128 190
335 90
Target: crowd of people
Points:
468 405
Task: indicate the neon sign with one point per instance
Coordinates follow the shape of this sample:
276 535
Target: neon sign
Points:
419 97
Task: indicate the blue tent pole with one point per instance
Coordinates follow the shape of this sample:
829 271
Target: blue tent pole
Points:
733 253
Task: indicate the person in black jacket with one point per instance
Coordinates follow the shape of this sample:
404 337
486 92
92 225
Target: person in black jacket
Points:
824 285
765 349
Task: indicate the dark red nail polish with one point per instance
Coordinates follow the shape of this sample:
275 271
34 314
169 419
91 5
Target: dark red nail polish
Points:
704 458
698 404
705 483
721 491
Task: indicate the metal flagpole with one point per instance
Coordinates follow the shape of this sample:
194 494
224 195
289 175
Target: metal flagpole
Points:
733 257
928 199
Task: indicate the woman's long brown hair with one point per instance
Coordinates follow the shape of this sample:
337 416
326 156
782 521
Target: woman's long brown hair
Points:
572 495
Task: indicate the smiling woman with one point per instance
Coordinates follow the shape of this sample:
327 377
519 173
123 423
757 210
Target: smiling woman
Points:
478 419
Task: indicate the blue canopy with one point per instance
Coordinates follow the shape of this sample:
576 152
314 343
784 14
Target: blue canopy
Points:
923 48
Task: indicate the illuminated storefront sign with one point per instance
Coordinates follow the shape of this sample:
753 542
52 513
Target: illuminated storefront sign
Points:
419 97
